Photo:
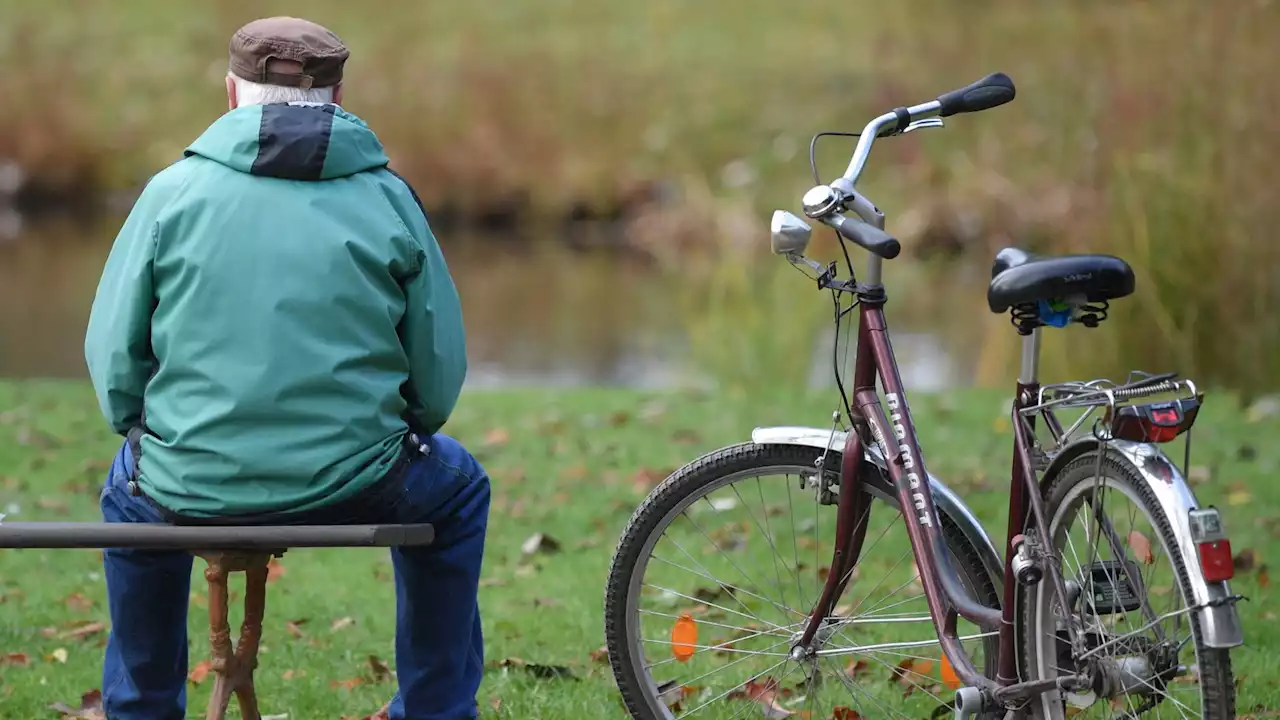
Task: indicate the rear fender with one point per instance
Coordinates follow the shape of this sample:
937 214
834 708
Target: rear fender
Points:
1220 624
946 501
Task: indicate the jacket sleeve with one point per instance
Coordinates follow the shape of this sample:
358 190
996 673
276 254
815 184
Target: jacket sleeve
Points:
432 333
117 343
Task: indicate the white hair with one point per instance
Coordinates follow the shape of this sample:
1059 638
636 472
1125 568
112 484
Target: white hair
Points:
252 93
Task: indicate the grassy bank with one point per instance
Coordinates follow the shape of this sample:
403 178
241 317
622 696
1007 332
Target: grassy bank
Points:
1141 129
569 464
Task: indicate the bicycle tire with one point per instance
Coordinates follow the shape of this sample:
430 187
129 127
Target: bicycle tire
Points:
700 474
1217 687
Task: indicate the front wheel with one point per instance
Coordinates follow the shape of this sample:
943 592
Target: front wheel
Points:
1128 589
715 577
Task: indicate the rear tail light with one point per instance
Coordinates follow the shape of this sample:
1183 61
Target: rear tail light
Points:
1155 422
1212 544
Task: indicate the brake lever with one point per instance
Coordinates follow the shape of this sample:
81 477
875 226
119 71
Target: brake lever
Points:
920 124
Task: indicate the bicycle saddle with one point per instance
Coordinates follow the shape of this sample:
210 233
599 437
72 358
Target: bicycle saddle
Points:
1019 278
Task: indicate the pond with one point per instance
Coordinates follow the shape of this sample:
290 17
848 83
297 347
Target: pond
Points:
537 313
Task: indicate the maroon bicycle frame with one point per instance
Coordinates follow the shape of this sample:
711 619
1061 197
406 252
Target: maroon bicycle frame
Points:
895 433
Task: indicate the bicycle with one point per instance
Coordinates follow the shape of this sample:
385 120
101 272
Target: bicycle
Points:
1014 634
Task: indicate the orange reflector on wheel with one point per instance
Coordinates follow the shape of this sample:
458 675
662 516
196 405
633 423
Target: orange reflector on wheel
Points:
684 637
949 677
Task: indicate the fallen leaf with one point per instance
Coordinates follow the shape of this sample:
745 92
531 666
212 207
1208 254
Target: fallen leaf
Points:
765 694
294 627
724 504
575 472
843 713
16 659
1244 560
1263 578
496 704
83 630
685 436
539 542
60 655
56 506
1141 548
857 668
545 602
90 707
275 569
1239 495
341 623
380 669
348 684
601 655
288 675
496 437
492 582
539 671
913 674
1198 475
200 672
645 479
78 603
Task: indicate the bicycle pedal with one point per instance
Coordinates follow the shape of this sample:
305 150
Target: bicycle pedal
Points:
1109 588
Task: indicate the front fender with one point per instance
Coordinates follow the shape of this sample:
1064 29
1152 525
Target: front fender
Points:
1219 624
944 498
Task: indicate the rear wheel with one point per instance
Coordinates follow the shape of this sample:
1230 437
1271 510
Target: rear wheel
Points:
1129 590
716 574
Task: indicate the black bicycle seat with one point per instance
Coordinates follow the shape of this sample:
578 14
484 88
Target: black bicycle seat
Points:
1019 278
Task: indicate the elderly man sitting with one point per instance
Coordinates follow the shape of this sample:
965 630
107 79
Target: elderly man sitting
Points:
278 337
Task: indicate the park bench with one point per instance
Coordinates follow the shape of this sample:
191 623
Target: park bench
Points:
225 550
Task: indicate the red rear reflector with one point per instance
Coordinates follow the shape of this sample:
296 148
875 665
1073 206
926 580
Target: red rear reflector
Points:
1215 560
1155 422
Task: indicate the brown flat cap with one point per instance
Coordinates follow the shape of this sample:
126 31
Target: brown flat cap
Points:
287 51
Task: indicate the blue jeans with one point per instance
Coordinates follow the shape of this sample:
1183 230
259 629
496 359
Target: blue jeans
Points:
439 647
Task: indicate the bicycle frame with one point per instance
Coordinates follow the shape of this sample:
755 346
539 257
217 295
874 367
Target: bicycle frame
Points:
945 598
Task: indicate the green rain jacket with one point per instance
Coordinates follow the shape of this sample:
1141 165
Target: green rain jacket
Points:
278 306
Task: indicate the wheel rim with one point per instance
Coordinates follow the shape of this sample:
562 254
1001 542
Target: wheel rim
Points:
865 672
1172 625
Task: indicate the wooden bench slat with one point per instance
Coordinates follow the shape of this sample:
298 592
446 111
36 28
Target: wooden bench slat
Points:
215 537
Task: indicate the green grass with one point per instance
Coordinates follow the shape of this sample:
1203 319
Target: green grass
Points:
570 464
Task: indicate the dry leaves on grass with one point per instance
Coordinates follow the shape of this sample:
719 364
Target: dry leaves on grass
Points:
82 630
1141 548
200 672
275 569
542 672
90 707
341 623
77 602
765 694
540 543
15 659
672 694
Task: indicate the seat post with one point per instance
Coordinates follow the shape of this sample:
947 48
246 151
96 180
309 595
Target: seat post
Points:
1029 373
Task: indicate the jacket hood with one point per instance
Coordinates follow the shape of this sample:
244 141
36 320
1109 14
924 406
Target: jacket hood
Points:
296 142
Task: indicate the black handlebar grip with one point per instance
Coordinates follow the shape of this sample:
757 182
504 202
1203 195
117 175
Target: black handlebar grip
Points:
868 236
991 91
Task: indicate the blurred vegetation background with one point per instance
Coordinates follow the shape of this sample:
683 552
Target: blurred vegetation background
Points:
660 135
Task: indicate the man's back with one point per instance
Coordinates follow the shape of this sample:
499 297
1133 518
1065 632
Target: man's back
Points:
299 310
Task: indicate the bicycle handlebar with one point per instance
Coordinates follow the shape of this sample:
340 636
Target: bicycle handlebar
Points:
991 91
867 236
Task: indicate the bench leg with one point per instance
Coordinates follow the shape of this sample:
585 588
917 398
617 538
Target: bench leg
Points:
233 666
